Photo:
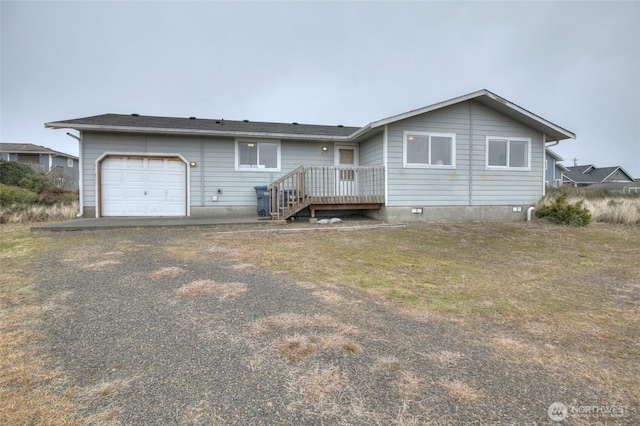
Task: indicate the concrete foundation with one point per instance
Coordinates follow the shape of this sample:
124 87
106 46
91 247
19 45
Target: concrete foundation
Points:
224 211
450 214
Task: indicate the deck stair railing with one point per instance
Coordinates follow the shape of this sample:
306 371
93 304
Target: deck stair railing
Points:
323 186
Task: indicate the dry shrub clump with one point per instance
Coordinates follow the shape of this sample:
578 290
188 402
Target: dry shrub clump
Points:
38 213
603 206
297 347
224 291
614 210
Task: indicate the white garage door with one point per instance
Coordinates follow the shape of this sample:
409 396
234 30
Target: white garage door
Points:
143 186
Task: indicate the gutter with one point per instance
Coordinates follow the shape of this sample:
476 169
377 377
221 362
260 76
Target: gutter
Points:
161 130
80 175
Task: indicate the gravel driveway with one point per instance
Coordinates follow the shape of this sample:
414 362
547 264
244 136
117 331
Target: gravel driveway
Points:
153 334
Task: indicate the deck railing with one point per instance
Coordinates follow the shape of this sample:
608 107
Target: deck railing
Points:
325 185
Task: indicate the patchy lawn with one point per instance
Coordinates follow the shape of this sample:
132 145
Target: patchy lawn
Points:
566 299
570 295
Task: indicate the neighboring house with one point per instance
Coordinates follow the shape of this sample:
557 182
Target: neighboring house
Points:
553 170
478 157
586 175
62 168
616 187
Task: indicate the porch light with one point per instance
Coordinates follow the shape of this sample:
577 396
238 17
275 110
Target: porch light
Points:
193 164
325 149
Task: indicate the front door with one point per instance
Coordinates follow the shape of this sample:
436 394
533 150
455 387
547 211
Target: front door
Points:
346 161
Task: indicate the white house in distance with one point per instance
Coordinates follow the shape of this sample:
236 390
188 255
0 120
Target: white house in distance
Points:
62 168
477 157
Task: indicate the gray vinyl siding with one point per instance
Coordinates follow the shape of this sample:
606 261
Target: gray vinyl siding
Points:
430 187
214 173
371 151
470 183
504 187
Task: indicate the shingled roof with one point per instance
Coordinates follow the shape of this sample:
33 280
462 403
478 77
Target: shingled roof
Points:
589 174
29 148
192 125
245 128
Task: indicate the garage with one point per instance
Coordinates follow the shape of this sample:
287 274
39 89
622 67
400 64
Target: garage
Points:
143 186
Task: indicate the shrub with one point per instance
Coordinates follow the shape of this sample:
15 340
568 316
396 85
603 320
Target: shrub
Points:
561 212
13 195
13 173
36 182
54 195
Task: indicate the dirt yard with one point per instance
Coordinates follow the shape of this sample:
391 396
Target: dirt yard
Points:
499 324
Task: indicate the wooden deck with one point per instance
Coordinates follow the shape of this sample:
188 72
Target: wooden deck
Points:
326 188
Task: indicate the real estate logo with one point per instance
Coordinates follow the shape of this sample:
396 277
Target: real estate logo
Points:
557 411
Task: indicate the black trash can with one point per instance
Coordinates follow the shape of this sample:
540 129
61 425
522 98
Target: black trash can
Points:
263 200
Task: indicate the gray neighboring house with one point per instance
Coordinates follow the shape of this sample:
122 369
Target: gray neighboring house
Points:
554 171
477 157
587 175
62 168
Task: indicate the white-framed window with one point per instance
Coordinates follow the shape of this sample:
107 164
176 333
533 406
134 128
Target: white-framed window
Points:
508 153
69 162
263 155
429 150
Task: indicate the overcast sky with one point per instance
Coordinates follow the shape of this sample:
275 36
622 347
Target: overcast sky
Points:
575 64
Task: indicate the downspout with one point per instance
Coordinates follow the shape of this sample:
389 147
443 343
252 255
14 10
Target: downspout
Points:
470 153
385 161
529 213
80 177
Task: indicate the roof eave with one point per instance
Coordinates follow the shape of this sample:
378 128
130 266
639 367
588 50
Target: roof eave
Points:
555 132
192 132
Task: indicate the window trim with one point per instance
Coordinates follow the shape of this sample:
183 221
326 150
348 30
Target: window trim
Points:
70 162
407 165
240 168
508 139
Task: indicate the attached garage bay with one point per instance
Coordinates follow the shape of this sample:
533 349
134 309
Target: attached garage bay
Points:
142 186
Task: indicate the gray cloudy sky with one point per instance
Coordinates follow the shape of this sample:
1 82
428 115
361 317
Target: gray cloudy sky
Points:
575 64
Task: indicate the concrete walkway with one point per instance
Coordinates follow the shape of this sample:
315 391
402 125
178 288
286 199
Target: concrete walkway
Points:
168 222
146 222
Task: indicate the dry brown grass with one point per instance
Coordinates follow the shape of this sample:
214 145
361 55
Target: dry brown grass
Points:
328 296
31 390
104 264
224 291
105 389
387 363
297 347
286 321
445 358
38 213
321 384
606 208
168 272
461 391
409 385
576 287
